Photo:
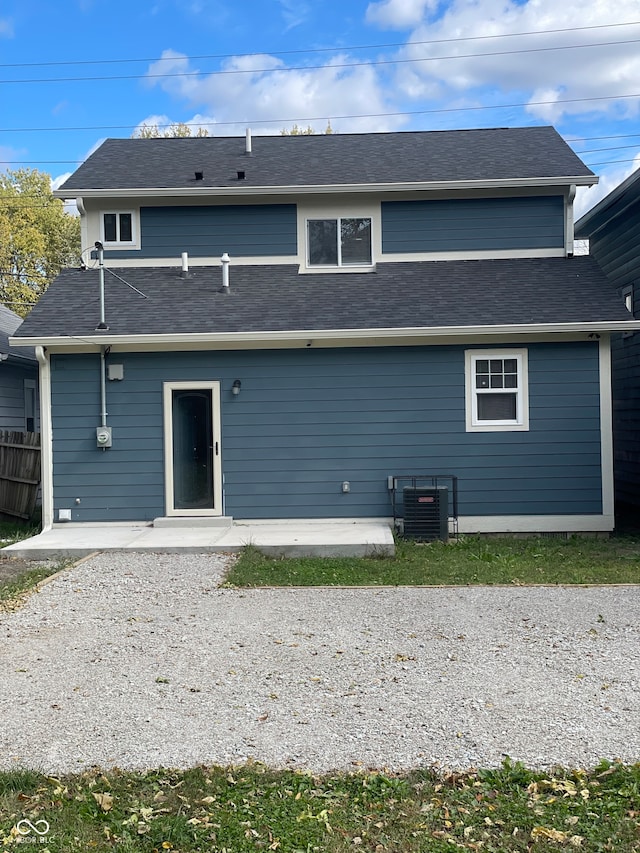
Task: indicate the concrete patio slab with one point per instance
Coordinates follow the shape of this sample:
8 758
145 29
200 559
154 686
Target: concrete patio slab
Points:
294 538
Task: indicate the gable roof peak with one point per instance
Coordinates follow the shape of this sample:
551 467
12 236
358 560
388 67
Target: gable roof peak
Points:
480 155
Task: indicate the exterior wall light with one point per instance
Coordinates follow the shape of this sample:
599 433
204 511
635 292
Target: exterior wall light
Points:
235 388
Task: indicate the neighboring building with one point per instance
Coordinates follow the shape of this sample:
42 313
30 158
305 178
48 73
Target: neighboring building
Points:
613 230
396 304
18 380
19 424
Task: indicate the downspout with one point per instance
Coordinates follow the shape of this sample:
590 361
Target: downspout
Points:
569 224
46 438
84 226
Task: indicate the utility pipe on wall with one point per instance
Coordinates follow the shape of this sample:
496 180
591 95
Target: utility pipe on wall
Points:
46 452
103 388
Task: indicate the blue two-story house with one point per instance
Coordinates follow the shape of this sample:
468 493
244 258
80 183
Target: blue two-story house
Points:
276 327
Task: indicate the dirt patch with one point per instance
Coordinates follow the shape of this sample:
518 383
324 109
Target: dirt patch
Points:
12 567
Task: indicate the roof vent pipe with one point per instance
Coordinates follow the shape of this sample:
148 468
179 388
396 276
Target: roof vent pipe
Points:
247 146
185 265
226 260
102 325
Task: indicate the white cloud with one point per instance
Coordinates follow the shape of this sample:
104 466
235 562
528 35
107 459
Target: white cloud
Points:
260 91
544 104
398 14
577 72
59 180
587 197
294 12
6 28
69 205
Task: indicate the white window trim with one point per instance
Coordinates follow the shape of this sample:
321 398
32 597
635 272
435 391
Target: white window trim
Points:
521 422
29 392
339 266
167 400
134 243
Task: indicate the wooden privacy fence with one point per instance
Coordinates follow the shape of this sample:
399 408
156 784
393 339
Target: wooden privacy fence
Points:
19 472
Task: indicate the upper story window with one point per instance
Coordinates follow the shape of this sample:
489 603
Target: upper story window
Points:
119 228
497 390
339 242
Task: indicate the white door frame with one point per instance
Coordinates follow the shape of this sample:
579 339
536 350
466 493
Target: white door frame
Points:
167 389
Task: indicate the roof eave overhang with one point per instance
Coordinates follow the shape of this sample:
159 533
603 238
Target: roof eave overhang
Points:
610 207
304 336
248 190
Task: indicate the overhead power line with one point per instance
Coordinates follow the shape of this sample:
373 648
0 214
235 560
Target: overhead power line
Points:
612 148
612 136
306 51
288 121
287 69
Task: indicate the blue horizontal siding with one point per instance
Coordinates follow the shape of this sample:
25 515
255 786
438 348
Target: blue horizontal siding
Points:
207 231
458 225
308 419
616 247
12 411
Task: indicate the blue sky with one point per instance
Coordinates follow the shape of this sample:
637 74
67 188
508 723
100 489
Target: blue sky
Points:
76 71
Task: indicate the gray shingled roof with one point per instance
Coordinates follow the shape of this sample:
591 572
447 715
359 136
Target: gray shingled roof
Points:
276 298
323 160
9 322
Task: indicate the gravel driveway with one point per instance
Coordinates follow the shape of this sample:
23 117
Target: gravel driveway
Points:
140 660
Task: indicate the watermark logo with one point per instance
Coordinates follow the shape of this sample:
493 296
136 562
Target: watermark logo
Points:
30 832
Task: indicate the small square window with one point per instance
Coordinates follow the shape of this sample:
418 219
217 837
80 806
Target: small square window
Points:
496 390
118 228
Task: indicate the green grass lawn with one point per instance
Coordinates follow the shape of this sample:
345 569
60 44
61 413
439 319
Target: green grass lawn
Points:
18 577
472 560
251 808
15 531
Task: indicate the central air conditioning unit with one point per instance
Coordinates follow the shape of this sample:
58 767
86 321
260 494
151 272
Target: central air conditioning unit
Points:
426 513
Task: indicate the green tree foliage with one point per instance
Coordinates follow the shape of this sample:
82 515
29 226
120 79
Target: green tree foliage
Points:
37 238
180 129
304 131
152 131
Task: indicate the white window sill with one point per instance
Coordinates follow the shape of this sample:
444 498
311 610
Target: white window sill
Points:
493 427
306 270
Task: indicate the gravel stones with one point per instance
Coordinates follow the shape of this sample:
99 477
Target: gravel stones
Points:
142 660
